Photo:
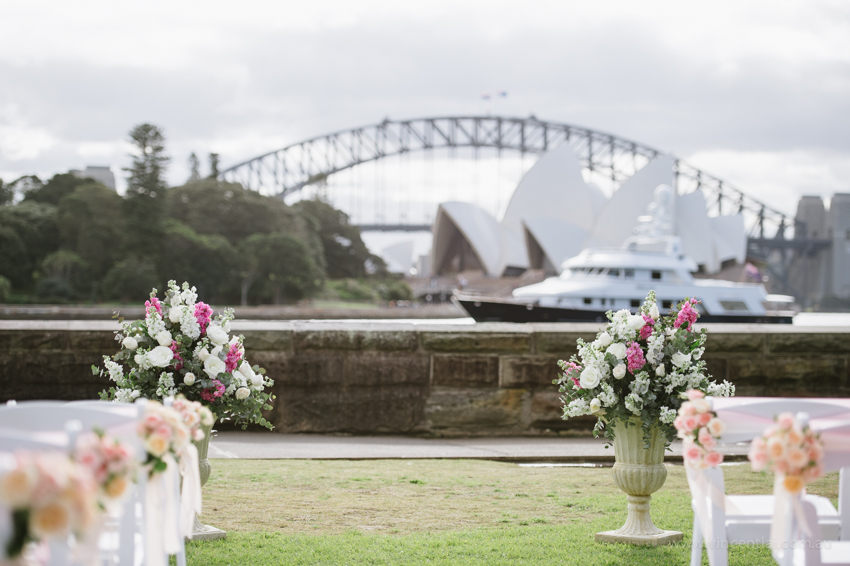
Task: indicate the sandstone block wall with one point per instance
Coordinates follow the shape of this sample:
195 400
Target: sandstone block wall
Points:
393 378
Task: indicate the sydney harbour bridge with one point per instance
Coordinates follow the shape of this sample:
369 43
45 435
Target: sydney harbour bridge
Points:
607 160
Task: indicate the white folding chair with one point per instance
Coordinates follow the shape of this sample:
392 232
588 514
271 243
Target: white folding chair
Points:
746 519
813 550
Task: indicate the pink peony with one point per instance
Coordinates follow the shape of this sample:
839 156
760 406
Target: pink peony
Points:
634 356
713 459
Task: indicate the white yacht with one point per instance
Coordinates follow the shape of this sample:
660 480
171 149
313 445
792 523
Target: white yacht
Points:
599 280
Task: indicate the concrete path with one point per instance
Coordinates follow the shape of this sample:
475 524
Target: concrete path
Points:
259 445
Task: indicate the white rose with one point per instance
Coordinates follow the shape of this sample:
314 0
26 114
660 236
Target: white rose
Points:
618 349
164 338
589 378
135 394
215 351
174 314
620 371
217 335
595 405
636 322
653 311
257 381
214 366
160 356
659 371
242 393
130 343
239 378
604 340
246 370
189 379
680 360
140 359
203 355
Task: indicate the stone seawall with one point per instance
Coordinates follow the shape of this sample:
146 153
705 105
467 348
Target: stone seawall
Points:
399 378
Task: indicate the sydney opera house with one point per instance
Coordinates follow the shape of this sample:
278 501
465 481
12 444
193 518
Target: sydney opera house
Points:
554 214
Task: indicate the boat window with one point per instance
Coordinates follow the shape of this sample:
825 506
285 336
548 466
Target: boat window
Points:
588 300
735 306
666 304
635 303
629 273
603 302
614 273
656 275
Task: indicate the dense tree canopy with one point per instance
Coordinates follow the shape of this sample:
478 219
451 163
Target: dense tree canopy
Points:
72 239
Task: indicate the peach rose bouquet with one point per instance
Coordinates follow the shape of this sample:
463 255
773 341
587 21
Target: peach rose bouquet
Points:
49 496
791 450
700 429
169 430
111 463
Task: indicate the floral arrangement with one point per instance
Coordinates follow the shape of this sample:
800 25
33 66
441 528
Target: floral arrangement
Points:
699 428
110 462
179 348
168 430
50 496
640 366
791 450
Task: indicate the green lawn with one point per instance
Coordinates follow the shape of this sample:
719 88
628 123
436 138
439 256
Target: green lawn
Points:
441 512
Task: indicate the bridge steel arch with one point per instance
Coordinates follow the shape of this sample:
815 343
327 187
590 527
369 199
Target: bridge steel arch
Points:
288 170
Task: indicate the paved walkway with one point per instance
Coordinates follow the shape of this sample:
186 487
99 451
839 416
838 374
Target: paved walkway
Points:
259 445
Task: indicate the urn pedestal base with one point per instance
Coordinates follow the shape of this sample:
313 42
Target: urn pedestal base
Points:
199 530
639 471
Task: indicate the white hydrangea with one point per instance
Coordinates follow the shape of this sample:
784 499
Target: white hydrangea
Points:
126 395
607 396
165 386
577 407
142 361
724 389
116 371
667 415
189 324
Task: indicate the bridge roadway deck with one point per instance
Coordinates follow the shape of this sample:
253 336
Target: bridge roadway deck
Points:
262 445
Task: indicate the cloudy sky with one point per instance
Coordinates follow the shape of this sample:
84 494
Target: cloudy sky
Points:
757 92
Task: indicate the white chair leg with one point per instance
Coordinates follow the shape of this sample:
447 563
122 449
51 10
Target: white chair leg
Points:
127 530
696 545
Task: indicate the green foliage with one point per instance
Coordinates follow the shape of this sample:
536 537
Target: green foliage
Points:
395 290
143 205
28 233
344 251
194 168
5 288
349 290
130 279
206 260
7 193
283 264
58 187
53 290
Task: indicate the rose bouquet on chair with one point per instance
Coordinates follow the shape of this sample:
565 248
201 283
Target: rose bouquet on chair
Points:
791 450
634 377
179 348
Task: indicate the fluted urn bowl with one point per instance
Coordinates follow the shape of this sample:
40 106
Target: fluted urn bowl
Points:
201 531
639 471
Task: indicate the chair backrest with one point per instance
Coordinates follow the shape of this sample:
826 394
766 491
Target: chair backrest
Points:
808 552
747 417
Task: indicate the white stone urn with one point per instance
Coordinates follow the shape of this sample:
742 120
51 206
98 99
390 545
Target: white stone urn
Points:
199 530
640 472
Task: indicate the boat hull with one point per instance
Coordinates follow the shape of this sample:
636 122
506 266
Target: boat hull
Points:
491 310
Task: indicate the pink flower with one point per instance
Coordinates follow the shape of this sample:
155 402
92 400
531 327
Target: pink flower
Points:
691 452
785 421
212 393
687 315
175 347
233 357
691 422
704 418
758 459
713 459
687 409
634 356
203 314
646 330
694 394
153 303
152 420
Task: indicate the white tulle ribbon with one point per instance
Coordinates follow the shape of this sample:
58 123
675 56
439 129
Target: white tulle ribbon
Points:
190 498
705 493
788 512
161 514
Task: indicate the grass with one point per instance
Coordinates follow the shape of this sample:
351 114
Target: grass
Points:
441 512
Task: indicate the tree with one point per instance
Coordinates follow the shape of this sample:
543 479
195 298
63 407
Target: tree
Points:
344 251
28 233
146 188
7 193
285 265
52 191
206 260
194 168
213 166
130 279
